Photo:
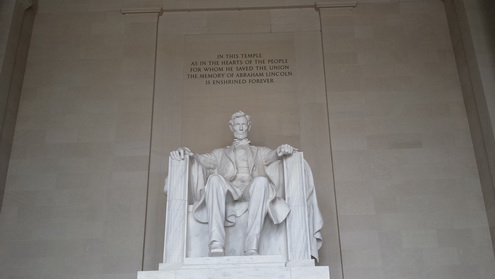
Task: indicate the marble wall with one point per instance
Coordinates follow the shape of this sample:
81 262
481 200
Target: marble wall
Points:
74 204
377 90
408 193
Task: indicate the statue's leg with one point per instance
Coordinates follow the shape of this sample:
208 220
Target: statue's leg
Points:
259 191
215 193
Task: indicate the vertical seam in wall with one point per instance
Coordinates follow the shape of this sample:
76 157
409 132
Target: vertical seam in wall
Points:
330 146
150 142
475 101
477 117
9 90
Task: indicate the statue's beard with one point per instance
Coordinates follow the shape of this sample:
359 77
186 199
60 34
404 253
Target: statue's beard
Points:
240 135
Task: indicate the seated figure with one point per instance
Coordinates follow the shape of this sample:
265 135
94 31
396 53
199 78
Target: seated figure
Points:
243 179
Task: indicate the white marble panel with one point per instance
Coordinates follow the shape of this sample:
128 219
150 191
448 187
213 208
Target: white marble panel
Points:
168 274
241 273
315 272
253 267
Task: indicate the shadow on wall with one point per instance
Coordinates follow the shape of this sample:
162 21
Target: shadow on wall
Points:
12 77
488 20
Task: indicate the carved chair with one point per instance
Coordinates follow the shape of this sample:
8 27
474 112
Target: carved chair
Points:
187 238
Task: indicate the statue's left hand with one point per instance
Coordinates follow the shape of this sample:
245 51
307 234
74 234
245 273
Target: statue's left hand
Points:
285 149
180 153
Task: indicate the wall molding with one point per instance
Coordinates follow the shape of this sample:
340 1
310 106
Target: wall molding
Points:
336 4
152 10
317 6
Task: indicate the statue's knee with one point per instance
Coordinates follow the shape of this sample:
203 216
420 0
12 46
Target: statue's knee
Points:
260 180
215 182
215 179
259 184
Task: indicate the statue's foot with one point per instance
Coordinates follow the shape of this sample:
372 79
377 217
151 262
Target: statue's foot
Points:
251 252
216 250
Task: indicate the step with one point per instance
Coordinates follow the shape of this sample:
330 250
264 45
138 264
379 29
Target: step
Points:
234 261
230 262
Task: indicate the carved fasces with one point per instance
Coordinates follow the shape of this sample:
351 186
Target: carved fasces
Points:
298 243
176 215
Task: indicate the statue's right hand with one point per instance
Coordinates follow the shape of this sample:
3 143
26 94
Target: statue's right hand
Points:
180 153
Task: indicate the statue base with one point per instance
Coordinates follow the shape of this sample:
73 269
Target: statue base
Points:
245 267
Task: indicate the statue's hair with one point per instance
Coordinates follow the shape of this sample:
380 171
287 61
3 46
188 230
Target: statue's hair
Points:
240 114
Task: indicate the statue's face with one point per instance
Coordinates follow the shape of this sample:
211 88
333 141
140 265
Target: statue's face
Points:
240 128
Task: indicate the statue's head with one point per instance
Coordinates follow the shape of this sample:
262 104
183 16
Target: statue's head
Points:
240 124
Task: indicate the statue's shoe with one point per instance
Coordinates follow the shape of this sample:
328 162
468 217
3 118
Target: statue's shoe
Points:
251 252
216 250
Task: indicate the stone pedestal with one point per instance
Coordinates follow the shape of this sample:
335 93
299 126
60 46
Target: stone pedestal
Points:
238 267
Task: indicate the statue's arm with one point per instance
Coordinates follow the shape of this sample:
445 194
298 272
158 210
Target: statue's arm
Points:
207 160
277 154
